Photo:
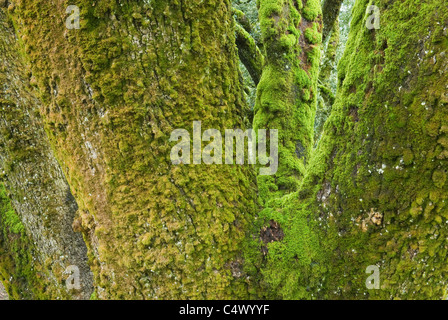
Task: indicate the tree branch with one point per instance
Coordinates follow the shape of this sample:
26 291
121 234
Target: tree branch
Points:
242 19
249 53
330 12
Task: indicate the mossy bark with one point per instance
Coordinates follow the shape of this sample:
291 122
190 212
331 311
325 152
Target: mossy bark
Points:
286 100
375 191
328 62
37 242
286 94
330 12
249 53
112 92
383 192
327 67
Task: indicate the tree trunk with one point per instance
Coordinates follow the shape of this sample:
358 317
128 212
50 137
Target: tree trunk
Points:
112 93
375 191
37 242
384 189
286 94
330 11
85 125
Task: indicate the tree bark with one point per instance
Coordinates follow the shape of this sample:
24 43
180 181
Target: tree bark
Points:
383 192
37 242
249 53
112 93
286 94
330 12
375 190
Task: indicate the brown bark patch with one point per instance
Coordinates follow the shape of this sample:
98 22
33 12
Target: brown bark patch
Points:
354 113
270 234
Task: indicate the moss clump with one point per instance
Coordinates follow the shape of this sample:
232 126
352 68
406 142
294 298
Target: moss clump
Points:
439 178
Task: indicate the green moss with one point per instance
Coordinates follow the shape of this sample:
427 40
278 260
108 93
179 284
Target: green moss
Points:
34 184
313 35
380 156
387 160
286 94
176 232
249 53
439 178
163 231
10 220
286 100
21 276
311 10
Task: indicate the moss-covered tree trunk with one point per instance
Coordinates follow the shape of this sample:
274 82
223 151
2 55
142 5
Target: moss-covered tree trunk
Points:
37 242
382 166
112 92
286 94
375 192
286 101
109 95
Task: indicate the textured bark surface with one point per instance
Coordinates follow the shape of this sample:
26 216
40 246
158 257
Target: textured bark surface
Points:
85 123
112 93
3 293
330 12
41 243
375 190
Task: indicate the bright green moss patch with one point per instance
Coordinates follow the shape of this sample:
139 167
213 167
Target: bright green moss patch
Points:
10 219
313 35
